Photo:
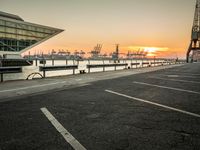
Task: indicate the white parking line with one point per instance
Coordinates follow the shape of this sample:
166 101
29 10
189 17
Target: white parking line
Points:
186 81
185 73
79 79
67 136
179 76
156 104
30 87
165 87
172 76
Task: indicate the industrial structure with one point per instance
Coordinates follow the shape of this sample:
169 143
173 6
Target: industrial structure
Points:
96 52
115 55
17 36
140 53
193 52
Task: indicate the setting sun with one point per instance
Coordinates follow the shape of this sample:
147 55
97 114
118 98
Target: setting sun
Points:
150 51
154 51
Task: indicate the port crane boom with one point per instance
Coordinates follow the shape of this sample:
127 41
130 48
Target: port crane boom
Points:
195 35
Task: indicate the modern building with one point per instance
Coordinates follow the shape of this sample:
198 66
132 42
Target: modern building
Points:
17 35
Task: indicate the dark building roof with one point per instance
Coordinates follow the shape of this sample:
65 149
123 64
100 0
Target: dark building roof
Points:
10 16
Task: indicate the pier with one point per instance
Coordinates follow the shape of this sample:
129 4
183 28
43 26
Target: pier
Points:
69 67
132 91
126 109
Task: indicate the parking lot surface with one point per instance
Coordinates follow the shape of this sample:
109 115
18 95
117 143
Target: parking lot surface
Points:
155 110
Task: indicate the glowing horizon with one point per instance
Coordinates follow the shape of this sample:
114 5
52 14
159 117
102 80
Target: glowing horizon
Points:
145 24
160 52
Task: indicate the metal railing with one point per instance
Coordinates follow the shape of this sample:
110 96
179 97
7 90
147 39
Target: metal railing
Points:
55 68
104 66
8 70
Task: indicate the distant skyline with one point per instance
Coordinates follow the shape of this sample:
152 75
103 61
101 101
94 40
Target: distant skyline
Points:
159 26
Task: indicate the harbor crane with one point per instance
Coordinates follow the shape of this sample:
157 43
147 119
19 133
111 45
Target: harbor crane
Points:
138 53
194 46
95 53
115 55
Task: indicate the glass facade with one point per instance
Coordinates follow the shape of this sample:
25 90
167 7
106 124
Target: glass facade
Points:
15 36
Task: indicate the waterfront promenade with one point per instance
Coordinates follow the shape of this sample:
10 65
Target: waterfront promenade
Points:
146 108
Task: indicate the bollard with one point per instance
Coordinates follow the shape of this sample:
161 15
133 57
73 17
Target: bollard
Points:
82 71
44 74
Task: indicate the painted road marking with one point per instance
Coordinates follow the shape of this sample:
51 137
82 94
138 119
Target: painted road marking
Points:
67 136
79 79
173 76
166 87
179 76
36 86
30 87
186 81
156 104
185 73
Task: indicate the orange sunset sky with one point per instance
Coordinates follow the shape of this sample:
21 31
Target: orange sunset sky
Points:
162 27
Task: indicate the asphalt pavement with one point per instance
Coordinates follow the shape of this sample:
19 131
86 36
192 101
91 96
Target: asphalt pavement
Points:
156 110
